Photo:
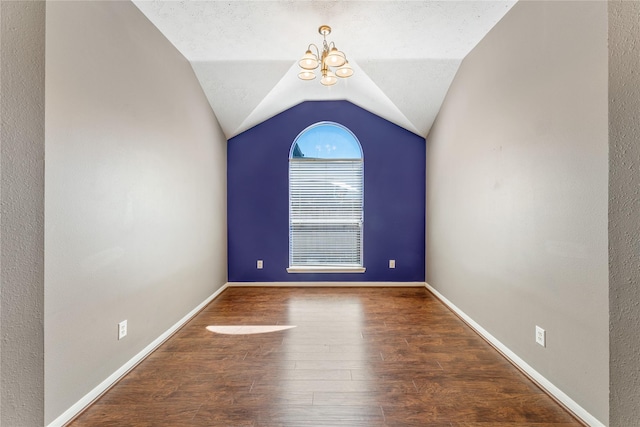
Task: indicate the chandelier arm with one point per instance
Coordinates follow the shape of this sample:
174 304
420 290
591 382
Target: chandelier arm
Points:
317 50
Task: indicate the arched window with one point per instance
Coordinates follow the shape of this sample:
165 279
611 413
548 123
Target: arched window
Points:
326 199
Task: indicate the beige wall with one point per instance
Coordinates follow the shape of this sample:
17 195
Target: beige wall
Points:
517 171
624 212
22 76
135 201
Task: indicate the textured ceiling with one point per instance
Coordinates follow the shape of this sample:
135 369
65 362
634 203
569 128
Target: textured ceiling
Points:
404 53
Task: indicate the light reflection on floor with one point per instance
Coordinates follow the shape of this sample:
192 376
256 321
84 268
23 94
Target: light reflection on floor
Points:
247 329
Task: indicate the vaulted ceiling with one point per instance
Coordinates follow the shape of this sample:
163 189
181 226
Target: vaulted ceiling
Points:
405 53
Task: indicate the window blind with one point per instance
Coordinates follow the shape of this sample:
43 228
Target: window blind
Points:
325 212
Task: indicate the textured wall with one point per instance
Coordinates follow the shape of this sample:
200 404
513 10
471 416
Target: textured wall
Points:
258 196
22 46
624 212
517 171
135 193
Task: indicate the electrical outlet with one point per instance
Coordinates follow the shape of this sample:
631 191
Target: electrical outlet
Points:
541 336
392 263
259 264
122 329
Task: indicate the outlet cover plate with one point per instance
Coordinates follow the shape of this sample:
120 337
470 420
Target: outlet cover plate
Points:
122 329
541 336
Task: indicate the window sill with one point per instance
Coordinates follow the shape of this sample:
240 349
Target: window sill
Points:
311 269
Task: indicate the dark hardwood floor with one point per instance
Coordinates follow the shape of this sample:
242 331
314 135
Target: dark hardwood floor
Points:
357 357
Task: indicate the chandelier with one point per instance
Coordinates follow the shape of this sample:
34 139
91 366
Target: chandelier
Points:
330 58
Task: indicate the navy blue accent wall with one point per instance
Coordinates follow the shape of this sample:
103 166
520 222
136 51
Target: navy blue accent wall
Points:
394 196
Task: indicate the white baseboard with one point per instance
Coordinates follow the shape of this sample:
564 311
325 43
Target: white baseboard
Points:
558 394
90 397
327 284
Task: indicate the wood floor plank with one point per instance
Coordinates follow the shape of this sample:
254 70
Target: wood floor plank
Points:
357 357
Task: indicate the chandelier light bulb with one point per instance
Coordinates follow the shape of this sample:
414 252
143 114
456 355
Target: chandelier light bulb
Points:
335 58
329 79
345 71
309 61
306 75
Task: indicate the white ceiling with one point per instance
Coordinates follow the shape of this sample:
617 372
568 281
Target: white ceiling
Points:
404 53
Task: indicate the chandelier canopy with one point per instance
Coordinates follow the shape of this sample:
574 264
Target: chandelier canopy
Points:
330 58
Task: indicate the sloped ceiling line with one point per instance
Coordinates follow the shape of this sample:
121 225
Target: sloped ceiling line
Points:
244 53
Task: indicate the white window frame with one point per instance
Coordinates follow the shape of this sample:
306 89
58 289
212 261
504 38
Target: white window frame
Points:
326 199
